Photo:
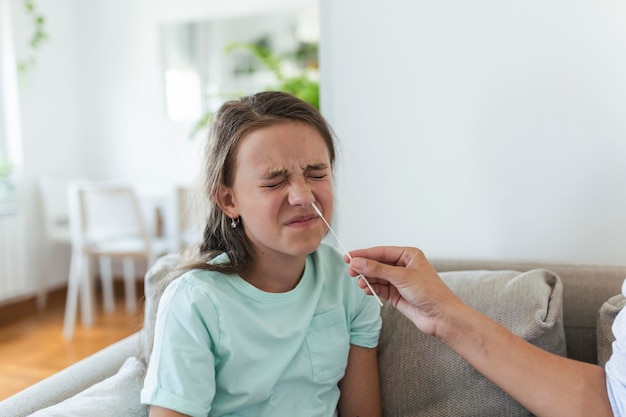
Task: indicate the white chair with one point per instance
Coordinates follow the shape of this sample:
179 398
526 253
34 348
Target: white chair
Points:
106 221
52 191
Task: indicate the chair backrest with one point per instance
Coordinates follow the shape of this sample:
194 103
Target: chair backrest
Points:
54 206
103 212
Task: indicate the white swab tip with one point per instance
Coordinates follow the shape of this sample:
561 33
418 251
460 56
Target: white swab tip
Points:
319 213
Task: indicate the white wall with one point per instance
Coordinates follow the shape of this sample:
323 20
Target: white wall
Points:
489 128
51 140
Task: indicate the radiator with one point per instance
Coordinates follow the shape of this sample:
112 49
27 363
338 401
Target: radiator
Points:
12 280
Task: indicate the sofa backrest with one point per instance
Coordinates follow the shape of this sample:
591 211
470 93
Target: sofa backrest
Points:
585 289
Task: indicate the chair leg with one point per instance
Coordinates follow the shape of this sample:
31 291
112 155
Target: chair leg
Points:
106 275
129 285
71 302
86 293
42 285
42 297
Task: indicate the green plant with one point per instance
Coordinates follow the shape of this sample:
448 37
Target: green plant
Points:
6 184
300 85
5 168
38 36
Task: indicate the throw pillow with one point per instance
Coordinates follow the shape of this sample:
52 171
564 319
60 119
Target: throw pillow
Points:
420 376
606 316
115 396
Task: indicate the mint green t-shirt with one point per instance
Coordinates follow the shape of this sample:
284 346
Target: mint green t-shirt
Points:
223 347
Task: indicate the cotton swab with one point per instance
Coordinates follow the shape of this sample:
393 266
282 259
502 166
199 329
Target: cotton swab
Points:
319 213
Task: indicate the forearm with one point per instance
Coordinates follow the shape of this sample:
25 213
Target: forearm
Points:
544 383
164 412
360 386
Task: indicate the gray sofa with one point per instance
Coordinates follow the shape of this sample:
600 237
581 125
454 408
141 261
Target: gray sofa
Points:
564 308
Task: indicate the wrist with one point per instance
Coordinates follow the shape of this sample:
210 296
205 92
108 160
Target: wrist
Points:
455 324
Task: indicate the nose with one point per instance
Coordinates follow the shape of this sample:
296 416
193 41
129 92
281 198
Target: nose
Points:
300 194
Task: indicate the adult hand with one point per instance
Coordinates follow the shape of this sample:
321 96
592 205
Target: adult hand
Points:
404 277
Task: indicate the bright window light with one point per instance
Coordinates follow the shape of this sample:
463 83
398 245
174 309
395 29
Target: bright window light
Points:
182 95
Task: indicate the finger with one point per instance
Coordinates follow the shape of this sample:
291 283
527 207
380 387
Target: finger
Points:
380 287
376 271
392 255
386 254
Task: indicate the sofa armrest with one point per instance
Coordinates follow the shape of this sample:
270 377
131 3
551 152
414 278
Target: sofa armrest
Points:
73 379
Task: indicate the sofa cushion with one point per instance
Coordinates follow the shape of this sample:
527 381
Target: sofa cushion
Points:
115 396
606 316
153 288
420 376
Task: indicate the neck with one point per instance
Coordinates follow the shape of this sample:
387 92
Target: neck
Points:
272 275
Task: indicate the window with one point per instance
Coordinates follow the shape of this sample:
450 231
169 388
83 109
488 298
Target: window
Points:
208 62
10 134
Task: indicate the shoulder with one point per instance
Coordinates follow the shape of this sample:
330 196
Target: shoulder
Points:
195 286
191 299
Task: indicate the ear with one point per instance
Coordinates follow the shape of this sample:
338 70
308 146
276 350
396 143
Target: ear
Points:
225 199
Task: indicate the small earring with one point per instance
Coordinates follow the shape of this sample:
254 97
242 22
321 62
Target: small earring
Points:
234 222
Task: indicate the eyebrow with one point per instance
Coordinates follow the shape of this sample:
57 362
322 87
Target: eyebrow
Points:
275 173
315 167
283 172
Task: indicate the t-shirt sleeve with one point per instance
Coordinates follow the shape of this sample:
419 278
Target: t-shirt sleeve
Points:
365 322
616 366
181 373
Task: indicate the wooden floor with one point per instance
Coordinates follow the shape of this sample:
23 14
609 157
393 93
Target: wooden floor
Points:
33 348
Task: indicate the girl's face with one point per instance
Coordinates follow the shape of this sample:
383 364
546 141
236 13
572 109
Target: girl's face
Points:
279 171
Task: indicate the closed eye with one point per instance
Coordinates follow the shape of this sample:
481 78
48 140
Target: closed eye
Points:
317 173
275 184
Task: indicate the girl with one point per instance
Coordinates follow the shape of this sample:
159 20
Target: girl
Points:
264 322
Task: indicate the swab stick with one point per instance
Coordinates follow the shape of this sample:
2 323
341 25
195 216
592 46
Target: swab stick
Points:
319 213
